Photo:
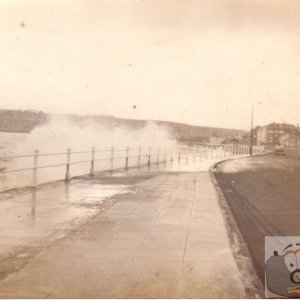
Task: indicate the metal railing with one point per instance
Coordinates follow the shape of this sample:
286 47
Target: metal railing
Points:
138 157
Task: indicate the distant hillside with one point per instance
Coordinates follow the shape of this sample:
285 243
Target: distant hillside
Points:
25 121
20 121
185 132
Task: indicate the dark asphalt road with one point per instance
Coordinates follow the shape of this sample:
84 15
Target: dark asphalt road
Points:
263 194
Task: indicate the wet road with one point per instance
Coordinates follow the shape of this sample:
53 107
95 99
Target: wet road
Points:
263 194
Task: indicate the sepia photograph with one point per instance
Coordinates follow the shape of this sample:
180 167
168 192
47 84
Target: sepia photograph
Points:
149 149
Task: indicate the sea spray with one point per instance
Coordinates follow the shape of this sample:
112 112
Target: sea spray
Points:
62 132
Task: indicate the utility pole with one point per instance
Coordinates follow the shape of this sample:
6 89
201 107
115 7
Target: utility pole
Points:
251 132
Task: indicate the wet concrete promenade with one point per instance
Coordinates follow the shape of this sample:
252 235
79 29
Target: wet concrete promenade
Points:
161 235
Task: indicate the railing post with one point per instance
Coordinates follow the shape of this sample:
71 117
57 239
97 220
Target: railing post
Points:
126 162
165 157
158 154
179 158
171 158
67 178
187 158
194 155
92 172
139 157
149 158
35 166
112 150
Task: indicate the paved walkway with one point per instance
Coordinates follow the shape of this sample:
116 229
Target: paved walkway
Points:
166 240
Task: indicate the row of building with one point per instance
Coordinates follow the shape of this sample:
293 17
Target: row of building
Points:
276 134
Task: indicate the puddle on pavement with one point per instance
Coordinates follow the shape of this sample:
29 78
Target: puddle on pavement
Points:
93 193
118 175
29 218
198 166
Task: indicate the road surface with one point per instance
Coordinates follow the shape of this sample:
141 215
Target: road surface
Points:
263 194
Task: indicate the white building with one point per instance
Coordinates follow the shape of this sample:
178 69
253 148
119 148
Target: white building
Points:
261 136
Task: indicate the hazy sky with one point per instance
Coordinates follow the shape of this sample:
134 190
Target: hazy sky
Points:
200 62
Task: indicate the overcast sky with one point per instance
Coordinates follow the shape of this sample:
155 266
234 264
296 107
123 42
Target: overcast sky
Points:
200 62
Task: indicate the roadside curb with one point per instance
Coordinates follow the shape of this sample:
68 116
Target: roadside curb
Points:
254 288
